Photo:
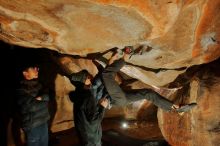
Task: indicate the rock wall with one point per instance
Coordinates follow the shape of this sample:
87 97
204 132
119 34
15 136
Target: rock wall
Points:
201 125
178 33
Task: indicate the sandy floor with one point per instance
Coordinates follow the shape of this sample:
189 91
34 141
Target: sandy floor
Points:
137 134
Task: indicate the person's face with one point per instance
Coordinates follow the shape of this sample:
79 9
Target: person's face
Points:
88 80
31 73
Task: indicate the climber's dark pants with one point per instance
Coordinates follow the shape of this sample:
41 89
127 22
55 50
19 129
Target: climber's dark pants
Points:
120 98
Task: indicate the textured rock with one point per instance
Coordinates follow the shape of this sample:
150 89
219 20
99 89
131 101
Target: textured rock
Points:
179 33
201 125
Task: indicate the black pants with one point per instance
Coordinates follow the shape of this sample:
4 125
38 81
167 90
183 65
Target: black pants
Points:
120 98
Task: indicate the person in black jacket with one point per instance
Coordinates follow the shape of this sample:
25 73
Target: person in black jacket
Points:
93 95
90 102
121 98
33 107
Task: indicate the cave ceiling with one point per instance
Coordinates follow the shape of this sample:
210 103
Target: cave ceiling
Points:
174 34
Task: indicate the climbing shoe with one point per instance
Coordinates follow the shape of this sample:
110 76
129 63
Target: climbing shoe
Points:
186 108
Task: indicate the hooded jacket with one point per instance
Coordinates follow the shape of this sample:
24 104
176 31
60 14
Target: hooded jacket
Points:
33 112
88 114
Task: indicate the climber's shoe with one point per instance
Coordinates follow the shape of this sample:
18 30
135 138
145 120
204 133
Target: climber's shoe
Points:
186 108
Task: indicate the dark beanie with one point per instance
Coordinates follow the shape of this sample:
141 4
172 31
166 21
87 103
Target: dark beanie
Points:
27 65
79 76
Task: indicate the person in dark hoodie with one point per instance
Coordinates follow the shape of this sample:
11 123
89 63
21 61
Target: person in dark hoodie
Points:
121 98
90 101
32 102
92 95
